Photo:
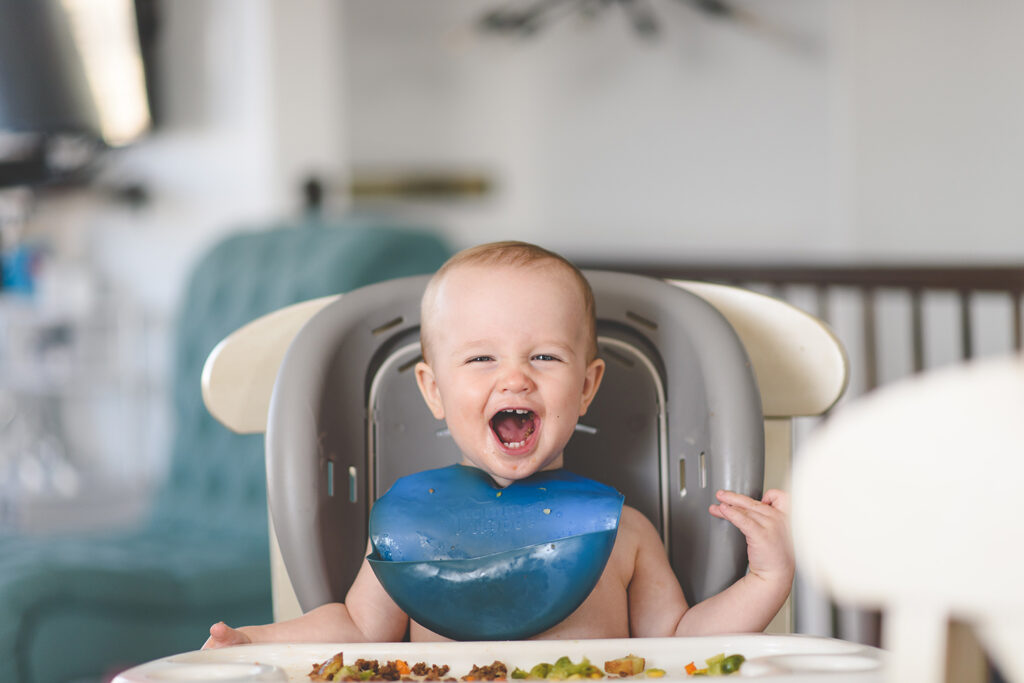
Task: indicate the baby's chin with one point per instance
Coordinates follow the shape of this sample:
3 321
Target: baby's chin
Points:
504 473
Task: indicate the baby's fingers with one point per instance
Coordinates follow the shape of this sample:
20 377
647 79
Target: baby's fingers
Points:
753 507
743 519
737 499
222 635
777 499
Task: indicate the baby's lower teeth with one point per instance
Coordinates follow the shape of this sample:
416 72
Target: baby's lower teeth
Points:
515 444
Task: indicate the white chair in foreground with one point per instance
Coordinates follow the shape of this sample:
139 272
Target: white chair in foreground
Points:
909 501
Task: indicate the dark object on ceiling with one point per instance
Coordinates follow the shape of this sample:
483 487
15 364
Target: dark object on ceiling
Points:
525 21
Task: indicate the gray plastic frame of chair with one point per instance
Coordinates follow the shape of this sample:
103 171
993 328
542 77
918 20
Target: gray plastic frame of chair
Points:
679 416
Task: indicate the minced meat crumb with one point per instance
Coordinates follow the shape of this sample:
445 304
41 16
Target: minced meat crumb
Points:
394 670
492 672
432 672
389 672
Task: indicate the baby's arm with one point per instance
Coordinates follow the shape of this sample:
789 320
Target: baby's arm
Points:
367 615
752 602
747 605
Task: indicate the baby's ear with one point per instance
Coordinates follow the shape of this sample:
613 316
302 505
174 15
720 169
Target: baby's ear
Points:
428 388
591 381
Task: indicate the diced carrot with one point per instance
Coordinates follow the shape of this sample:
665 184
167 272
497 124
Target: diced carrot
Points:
403 667
691 668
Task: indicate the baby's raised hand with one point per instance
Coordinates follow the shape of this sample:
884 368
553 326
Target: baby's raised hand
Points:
222 635
765 523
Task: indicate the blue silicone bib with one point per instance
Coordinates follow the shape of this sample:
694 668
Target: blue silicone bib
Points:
473 561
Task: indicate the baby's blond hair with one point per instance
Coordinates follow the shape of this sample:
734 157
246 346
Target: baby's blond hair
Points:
506 253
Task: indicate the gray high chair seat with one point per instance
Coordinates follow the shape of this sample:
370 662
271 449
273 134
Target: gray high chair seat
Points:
697 376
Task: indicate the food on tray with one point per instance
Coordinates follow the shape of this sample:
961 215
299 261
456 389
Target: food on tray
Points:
564 669
718 665
492 672
326 671
334 669
432 672
630 665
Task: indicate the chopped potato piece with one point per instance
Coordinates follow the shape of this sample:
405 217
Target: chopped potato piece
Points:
630 665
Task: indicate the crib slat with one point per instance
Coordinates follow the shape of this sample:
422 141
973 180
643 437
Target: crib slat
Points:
917 329
869 334
1018 326
823 308
966 328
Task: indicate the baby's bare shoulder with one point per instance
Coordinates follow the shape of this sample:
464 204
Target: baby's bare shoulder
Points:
636 539
636 531
635 521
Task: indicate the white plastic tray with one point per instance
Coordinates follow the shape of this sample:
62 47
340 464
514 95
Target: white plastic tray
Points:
795 658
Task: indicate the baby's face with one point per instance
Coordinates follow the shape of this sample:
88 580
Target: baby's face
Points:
508 367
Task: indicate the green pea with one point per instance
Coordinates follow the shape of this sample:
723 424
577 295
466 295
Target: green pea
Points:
732 663
540 670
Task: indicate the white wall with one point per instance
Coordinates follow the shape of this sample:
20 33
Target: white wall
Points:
935 127
715 137
845 129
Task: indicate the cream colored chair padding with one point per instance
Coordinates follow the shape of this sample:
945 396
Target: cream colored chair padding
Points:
238 378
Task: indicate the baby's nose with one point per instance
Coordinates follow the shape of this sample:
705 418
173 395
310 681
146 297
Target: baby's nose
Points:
515 380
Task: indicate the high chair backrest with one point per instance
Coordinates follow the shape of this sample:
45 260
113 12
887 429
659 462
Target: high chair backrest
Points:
679 414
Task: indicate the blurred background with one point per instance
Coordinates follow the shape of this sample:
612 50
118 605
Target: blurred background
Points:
861 159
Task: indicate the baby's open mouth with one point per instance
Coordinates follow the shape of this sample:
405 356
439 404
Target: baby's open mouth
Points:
513 426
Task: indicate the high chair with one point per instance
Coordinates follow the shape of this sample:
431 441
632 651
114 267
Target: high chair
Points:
701 386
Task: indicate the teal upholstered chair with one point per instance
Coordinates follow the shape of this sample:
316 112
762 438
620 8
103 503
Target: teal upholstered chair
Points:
79 607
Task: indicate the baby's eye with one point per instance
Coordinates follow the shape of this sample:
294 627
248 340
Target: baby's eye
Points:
544 356
479 359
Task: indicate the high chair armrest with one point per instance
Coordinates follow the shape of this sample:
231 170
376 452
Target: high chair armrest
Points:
800 365
238 376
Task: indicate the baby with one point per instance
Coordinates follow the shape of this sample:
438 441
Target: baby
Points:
511 325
